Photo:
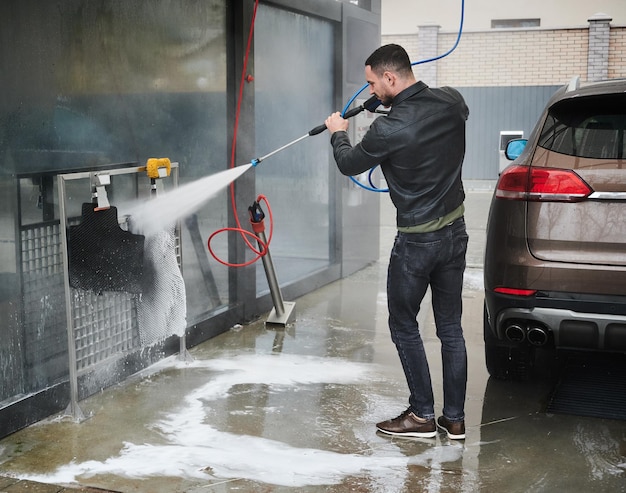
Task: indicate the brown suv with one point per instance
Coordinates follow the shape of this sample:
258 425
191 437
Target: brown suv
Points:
555 257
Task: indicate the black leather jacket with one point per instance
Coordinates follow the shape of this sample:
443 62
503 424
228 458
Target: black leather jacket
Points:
420 147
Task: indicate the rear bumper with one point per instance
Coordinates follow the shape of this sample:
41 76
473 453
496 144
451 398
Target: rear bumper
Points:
561 320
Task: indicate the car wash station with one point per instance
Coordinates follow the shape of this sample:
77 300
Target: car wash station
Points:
193 298
108 109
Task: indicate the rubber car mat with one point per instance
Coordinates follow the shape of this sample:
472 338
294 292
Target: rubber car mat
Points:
103 256
593 387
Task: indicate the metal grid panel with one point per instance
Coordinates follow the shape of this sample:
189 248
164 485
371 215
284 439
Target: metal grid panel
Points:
41 251
105 325
45 340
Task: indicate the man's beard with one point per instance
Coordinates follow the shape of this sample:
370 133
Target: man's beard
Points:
386 101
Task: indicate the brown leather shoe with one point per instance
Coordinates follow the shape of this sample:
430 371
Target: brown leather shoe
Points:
454 429
409 425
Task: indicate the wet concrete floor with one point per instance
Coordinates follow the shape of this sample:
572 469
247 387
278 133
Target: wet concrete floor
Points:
273 409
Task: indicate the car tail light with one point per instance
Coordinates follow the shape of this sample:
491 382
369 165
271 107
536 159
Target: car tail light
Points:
515 291
541 184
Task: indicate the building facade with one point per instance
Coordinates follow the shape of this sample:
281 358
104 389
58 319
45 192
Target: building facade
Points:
507 74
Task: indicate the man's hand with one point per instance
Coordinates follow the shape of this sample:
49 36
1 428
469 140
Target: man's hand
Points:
335 123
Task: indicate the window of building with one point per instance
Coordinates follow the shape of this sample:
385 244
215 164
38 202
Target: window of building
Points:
508 23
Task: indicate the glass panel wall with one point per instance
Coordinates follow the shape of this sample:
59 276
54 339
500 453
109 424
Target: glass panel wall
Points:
11 358
91 85
293 93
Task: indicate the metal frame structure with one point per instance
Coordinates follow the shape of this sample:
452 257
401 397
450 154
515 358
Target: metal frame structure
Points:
98 180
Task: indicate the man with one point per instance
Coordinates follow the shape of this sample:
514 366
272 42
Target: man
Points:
420 147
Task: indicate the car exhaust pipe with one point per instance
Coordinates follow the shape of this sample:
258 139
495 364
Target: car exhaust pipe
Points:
537 336
515 333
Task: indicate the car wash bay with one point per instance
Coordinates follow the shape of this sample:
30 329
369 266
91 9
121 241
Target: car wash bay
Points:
271 408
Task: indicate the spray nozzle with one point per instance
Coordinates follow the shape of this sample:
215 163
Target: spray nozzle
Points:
370 105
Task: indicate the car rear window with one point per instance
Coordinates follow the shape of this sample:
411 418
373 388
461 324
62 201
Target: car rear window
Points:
587 127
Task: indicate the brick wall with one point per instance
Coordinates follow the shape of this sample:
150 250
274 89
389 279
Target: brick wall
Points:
514 57
617 53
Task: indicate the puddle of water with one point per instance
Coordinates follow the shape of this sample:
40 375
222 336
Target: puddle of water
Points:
194 449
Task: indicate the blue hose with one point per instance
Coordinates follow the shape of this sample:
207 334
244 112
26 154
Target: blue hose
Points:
373 188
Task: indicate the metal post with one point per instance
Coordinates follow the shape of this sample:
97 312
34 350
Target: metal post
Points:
73 408
283 311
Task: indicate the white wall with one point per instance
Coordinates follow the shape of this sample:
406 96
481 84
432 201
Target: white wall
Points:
404 16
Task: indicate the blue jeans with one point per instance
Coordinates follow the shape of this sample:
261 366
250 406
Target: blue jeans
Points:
417 261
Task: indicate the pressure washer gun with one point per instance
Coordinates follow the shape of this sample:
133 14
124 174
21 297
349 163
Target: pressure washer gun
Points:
256 216
256 213
370 105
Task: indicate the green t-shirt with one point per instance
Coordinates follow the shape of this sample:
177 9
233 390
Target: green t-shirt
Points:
435 224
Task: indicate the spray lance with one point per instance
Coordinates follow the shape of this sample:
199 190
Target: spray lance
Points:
370 105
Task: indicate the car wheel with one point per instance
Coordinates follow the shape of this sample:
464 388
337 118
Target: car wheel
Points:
505 362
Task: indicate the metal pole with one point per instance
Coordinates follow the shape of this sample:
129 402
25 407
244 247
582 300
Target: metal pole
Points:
259 159
283 311
73 408
268 265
